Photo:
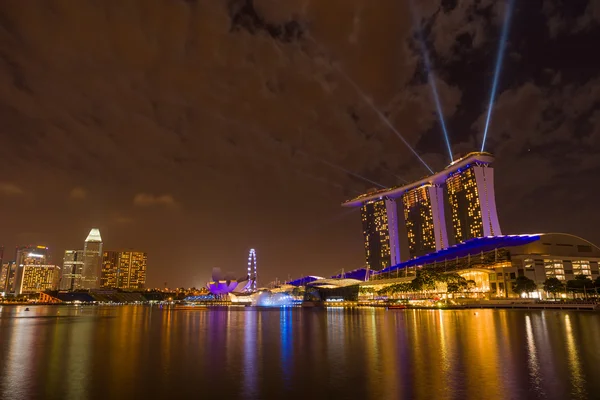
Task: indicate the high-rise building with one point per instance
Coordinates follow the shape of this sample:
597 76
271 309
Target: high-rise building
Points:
110 269
124 269
472 202
26 256
465 187
72 270
9 273
424 219
38 277
380 229
3 275
92 260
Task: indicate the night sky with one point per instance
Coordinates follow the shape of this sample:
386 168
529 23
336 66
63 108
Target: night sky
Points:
195 130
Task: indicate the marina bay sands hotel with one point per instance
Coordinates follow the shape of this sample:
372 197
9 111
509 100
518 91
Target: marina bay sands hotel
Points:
444 209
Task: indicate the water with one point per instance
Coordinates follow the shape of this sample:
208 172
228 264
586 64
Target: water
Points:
133 352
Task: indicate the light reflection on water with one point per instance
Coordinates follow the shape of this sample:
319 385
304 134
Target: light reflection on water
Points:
143 352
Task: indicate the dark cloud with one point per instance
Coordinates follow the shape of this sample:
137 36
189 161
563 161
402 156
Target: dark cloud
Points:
10 189
254 119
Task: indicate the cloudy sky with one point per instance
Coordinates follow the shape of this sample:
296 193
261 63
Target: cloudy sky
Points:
194 130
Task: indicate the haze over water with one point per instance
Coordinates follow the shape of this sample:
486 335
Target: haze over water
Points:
142 352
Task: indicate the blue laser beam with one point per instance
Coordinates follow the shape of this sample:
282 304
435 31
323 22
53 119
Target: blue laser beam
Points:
499 58
367 100
431 78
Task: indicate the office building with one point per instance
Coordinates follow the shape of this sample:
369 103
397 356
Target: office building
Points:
124 269
110 269
72 270
92 260
380 229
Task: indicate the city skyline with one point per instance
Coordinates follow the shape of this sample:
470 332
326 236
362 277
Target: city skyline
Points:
198 171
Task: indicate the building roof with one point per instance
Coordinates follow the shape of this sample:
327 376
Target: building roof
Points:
435 179
334 283
94 236
359 274
304 280
470 247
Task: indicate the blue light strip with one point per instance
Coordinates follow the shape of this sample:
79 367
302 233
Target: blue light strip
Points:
470 247
499 58
431 79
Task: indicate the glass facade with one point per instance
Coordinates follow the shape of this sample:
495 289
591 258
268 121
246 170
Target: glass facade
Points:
72 270
554 269
581 267
465 205
418 215
376 232
92 260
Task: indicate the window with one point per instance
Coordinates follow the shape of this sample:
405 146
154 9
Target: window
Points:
554 269
581 248
529 263
513 275
582 267
492 277
493 286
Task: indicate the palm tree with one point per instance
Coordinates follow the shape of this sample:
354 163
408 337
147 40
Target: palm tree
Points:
553 285
524 285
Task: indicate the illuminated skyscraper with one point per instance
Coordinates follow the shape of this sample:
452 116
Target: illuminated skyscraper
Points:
72 270
380 229
132 269
37 278
472 202
424 218
9 272
110 269
469 186
124 269
3 276
26 256
92 260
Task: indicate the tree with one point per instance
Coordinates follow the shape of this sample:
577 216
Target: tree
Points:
581 283
553 285
524 285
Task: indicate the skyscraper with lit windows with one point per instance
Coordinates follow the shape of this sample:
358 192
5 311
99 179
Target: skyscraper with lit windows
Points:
380 229
472 202
424 219
124 269
25 256
38 277
72 270
92 260
465 188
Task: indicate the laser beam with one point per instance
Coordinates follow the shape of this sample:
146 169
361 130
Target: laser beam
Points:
335 166
431 78
499 58
375 109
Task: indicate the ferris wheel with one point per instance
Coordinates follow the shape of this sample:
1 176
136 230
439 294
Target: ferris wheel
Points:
252 274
